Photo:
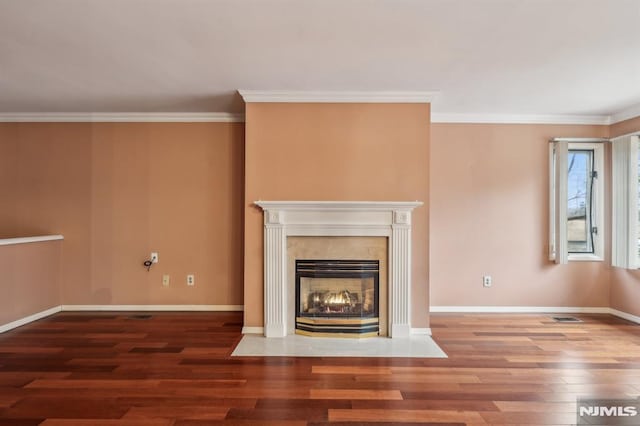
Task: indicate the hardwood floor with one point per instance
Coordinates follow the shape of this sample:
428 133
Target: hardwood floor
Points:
174 369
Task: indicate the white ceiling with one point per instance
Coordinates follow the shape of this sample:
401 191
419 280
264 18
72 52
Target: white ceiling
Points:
483 56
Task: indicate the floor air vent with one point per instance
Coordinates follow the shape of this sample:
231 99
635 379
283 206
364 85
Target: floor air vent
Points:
566 319
140 317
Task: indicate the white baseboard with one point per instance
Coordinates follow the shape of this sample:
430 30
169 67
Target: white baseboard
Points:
522 309
260 330
414 331
169 308
252 330
31 318
536 310
421 332
114 308
624 315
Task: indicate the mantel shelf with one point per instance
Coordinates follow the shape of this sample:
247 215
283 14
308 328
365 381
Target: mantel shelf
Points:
338 205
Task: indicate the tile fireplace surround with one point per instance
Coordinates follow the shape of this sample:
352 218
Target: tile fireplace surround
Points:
389 219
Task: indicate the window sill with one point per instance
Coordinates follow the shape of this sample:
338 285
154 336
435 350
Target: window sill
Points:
585 258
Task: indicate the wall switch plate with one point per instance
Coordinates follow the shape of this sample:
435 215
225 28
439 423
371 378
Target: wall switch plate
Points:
191 279
487 281
154 257
165 280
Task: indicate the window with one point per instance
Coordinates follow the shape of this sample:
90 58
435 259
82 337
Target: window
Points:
626 202
576 207
580 182
637 206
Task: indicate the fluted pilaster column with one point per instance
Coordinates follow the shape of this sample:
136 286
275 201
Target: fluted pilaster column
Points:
275 292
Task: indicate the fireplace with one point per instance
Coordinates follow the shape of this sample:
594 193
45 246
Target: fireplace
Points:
337 298
285 219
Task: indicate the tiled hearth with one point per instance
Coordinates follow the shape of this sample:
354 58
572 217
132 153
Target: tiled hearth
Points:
283 219
295 345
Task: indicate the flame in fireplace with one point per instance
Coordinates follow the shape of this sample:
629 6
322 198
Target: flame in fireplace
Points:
340 298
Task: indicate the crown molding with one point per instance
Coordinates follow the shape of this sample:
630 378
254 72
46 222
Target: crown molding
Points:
118 117
520 119
626 114
322 97
289 96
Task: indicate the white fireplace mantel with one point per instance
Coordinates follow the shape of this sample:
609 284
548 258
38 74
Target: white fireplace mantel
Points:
390 219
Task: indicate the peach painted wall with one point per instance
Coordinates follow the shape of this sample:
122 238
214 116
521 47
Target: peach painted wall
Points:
625 290
336 152
625 284
117 191
625 127
29 279
489 216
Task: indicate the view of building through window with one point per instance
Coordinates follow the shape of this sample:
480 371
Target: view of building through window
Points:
579 183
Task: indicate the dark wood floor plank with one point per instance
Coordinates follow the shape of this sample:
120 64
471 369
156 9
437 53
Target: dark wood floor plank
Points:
108 422
21 422
240 422
107 369
63 406
308 413
195 412
271 403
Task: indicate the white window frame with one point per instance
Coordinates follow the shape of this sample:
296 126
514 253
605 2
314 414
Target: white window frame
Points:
558 175
624 217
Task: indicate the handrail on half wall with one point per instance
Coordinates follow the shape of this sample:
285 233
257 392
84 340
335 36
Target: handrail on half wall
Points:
25 240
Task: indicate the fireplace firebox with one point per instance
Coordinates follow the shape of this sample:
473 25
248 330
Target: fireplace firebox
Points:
337 298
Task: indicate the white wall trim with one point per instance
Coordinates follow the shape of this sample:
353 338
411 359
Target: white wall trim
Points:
120 308
109 117
626 114
378 206
169 308
536 310
25 240
260 330
521 309
289 96
252 330
318 97
31 318
414 331
625 315
520 118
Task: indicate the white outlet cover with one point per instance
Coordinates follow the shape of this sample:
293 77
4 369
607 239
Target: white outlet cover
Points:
191 280
154 257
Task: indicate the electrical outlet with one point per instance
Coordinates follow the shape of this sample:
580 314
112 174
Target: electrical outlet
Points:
154 257
191 279
486 281
165 280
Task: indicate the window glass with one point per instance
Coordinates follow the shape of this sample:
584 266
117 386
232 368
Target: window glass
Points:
579 209
638 210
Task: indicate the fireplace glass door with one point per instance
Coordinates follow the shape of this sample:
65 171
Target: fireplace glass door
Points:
337 297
